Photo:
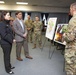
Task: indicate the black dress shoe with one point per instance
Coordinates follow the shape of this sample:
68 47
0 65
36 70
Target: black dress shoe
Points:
10 72
12 67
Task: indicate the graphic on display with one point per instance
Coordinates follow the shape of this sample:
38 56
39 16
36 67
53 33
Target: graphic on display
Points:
51 28
60 30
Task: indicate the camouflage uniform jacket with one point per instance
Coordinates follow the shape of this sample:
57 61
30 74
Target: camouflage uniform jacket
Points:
71 31
70 50
37 26
28 23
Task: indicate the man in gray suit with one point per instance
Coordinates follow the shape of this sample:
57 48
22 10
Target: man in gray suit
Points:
20 36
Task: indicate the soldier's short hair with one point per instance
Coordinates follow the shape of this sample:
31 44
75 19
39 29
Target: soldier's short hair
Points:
29 15
73 5
18 12
37 16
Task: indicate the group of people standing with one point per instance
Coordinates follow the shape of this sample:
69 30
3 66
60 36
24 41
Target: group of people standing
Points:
19 32
34 29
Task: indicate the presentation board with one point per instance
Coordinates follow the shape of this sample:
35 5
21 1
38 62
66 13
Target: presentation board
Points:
51 28
60 30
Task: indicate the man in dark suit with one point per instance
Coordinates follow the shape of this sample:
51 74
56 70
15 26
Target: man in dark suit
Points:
20 36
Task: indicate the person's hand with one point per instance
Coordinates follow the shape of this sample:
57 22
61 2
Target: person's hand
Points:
64 34
25 35
64 42
14 40
28 28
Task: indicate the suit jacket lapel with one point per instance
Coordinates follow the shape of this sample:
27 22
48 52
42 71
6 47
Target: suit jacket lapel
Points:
19 23
23 24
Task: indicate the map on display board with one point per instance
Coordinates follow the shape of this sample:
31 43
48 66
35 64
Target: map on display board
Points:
51 28
60 30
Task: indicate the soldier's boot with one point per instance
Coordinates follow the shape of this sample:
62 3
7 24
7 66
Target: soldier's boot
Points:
34 46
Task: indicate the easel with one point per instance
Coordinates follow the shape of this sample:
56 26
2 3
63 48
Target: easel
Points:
51 54
50 33
50 47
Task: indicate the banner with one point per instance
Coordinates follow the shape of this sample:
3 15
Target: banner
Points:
51 28
60 30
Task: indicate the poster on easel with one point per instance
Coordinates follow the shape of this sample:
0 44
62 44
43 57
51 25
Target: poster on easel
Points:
60 30
51 28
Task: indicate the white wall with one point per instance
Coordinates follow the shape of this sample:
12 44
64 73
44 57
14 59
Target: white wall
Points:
33 8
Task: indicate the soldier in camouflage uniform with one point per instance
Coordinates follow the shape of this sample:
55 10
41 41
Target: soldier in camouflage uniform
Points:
37 25
70 38
29 26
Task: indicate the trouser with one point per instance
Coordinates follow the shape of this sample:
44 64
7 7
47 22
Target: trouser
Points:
19 46
30 35
70 61
37 37
7 51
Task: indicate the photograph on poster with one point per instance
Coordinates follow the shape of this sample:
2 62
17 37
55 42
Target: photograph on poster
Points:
51 28
60 30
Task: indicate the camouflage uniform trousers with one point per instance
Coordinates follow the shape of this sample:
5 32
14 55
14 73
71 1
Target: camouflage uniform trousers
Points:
70 61
37 37
29 36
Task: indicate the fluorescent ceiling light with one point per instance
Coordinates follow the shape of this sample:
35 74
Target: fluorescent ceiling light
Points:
21 3
2 2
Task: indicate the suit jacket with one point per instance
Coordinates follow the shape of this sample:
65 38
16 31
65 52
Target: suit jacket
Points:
18 30
6 33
